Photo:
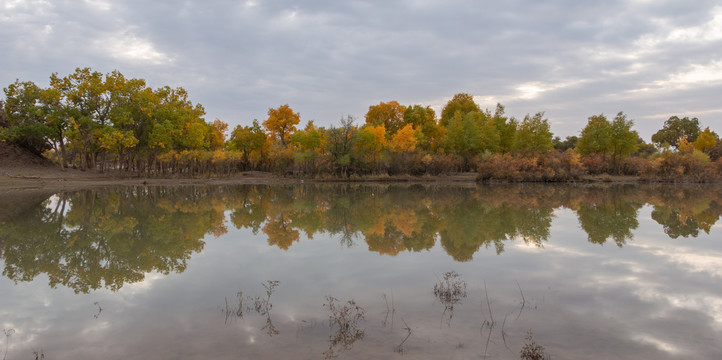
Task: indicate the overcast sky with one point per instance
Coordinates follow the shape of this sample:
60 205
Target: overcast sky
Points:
329 58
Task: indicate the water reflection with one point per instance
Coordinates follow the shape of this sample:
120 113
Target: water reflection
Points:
108 237
449 292
684 212
344 321
259 305
605 214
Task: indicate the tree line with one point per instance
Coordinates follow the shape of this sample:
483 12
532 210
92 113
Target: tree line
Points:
91 120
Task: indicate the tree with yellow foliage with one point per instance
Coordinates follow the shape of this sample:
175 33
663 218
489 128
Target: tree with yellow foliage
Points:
218 134
404 140
390 115
370 142
684 145
706 140
281 123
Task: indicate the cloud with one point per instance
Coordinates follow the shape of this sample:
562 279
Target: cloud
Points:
130 48
328 58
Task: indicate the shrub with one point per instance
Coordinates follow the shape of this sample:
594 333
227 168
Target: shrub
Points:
594 164
444 164
694 165
633 165
552 166
407 163
715 152
565 165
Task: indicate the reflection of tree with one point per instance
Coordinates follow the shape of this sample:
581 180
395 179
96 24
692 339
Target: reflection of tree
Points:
685 211
247 209
397 218
609 213
398 221
109 237
473 222
280 232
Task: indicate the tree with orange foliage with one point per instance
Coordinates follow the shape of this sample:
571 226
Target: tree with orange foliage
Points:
685 145
390 115
404 140
281 123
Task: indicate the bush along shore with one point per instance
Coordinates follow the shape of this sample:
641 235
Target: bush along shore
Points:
112 124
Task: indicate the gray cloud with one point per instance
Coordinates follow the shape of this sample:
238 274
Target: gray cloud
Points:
572 59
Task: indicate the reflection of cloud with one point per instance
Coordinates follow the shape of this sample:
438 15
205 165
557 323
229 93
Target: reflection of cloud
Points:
692 261
141 287
551 247
707 305
96 327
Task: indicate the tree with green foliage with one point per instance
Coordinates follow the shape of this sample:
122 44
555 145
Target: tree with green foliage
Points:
489 137
463 137
533 136
674 129
246 140
506 127
339 143
570 142
644 149
26 117
308 144
369 144
623 139
596 137
423 120
463 103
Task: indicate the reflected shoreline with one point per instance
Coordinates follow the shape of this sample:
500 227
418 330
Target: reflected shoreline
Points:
107 237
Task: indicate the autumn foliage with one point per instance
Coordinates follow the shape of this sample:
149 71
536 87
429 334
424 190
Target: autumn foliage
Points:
108 122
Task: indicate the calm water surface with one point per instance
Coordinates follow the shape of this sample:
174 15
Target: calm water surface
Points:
362 271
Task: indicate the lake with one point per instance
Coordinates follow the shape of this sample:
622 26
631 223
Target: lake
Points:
358 271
